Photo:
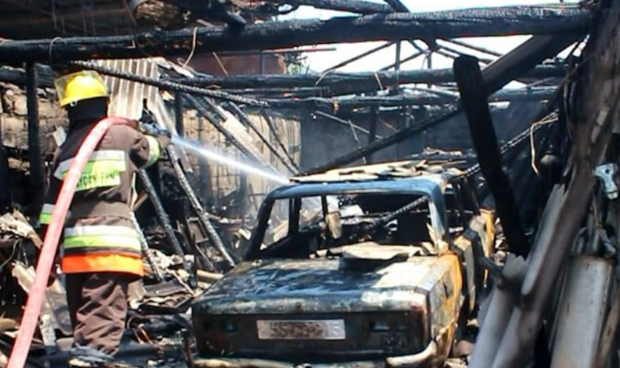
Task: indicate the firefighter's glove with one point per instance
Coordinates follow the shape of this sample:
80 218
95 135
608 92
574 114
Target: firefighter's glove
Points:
152 129
162 135
164 140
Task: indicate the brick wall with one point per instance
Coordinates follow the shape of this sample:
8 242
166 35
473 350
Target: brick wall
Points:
246 64
14 117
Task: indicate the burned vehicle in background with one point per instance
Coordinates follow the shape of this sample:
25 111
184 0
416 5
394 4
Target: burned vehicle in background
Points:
366 265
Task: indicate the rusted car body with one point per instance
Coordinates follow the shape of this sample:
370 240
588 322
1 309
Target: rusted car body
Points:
368 266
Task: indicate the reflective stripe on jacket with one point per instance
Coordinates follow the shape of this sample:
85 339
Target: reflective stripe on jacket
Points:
99 234
102 263
101 239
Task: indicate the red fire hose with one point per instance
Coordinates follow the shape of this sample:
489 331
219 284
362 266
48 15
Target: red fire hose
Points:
30 318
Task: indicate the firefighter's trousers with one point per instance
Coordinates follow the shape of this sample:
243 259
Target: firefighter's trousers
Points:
98 308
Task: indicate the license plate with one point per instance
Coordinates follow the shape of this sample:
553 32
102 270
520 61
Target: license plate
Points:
301 329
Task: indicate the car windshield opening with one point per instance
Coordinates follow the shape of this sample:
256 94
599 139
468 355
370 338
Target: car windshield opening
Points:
302 226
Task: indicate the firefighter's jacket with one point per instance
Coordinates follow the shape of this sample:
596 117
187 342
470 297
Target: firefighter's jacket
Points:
99 233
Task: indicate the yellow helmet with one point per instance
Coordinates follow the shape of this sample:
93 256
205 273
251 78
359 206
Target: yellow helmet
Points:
80 86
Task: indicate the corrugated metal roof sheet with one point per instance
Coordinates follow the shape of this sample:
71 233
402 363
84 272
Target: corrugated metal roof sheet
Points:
127 96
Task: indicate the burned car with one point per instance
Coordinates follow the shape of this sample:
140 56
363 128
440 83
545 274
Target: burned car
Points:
371 265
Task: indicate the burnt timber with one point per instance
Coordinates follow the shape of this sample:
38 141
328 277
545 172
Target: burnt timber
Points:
349 6
595 129
497 75
344 81
471 88
534 94
336 83
500 21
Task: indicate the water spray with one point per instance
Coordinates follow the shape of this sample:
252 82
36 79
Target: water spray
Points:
154 127
210 154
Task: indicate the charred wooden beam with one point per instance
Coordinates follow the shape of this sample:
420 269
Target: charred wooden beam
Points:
37 177
349 6
178 113
276 136
342 122
285 158
45 24
288 92
496 75
397 6
363 116
473 98
6 191
372 136
156 82
500 21
533 94
346 80
15 76
474 47
413 56
358 57
18 76
449 50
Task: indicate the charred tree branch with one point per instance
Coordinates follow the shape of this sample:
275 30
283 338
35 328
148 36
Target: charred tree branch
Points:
500 21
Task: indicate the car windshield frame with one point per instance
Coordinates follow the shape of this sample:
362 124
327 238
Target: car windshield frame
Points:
429 187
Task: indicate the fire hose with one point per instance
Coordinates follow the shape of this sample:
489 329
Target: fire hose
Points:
30 317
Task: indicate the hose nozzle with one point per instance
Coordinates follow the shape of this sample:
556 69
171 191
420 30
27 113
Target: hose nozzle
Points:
154 130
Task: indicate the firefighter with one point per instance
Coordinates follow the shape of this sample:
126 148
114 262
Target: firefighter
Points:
100 251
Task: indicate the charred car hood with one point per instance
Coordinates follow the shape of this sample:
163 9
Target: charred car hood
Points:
319 286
